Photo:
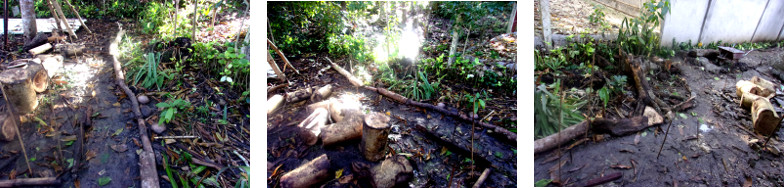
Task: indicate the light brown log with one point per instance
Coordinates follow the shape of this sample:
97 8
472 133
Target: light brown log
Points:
354 81
307 174
653 117
769 86
313 125
764 117
374 136
749 92
482 178
392 171
321 93
273 103
40 49
299 95
21 84
350 128
56 18
147 170
48 181
52 63
7 127
70 50
564 136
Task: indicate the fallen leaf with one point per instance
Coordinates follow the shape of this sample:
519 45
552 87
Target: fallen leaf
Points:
90 155
120 148
118 131
338 173
104 180
68 138
346 179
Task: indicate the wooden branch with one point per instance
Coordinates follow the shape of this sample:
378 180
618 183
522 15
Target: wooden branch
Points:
54 15
510 136
59 10
275 67
147 170
78 17
482 178
286 60
307 174
605 179
40 49
274 88
566 135
618 127
49 181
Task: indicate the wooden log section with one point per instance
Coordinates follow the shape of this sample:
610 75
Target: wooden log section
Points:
482 178
619 127
8 129
40 49
768 86
321 93
374 136
21 83
392 171
348 129
52 63
764 117
308 174
273 103
749 92
313 124
557 139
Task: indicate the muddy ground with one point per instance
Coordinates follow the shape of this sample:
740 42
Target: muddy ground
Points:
708 145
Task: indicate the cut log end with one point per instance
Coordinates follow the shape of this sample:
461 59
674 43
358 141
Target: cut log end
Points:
308 174
349 129
8 129
21 83
374 136
764 117
393 171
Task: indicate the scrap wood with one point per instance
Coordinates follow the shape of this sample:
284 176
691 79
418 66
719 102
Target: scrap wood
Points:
286 60
482 178
605 179
147 167
29 182
555 140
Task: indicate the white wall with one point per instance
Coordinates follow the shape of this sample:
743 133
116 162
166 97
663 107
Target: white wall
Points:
731 21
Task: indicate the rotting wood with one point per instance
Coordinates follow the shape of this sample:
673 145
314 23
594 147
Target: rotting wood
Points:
38 40
749 92
393 171
70 50
275 68
375 132
644 92
307 174
321 93
604 179
48 181
349 128
273 103
482 178
147 169
40 49
618 127
285 60
277 87
7 128
764 117
299 95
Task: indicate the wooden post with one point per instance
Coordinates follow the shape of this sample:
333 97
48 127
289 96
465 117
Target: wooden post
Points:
374 136
391 172
308 174
544 10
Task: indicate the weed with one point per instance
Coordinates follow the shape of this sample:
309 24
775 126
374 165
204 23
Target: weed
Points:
148 74
551 113
170 109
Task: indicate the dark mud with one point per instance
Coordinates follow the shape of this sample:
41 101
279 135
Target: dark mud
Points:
708 145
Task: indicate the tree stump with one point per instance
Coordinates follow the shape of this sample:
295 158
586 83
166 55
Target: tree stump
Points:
391 172
374 136
308 174
764 117
22 83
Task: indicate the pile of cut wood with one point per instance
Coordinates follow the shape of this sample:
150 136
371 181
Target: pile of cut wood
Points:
756 94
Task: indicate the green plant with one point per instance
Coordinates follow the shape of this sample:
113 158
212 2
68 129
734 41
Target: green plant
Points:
551 113
476 101
604 94
637 35
170 109
236 69
149 73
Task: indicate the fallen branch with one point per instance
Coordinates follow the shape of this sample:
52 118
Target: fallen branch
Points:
307 174
79 17
282 56
510 136
553 141
275 67
59 11
605 179
619 127
482 178
147 170
29 182
270 90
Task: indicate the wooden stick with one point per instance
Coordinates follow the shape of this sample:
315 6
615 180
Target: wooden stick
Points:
307 174
354 81
29 182
62 17
40 49
270 90
78 17
605 179
275 67
286 60
54 15
147 169
174 137
482 178
665 139
552 141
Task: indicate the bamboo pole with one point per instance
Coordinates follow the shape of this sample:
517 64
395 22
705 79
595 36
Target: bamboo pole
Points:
77 16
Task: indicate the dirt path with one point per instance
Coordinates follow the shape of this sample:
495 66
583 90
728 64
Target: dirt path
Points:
706 145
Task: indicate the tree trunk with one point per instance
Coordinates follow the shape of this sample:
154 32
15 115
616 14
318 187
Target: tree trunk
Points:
28 19
21 84
195 17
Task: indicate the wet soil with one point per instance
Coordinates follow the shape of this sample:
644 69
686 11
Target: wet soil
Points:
431 141
707 145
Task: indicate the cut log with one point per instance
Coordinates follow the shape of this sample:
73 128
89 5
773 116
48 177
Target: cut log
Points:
40 49
653 117
321 93
39 39
620 127
52 63
769 86
562 137
69 50
48 181
307 174
374 136
744 86
313 124
482 178
299 95
348 129
764 117
273 103
21 84
391 172
8 129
